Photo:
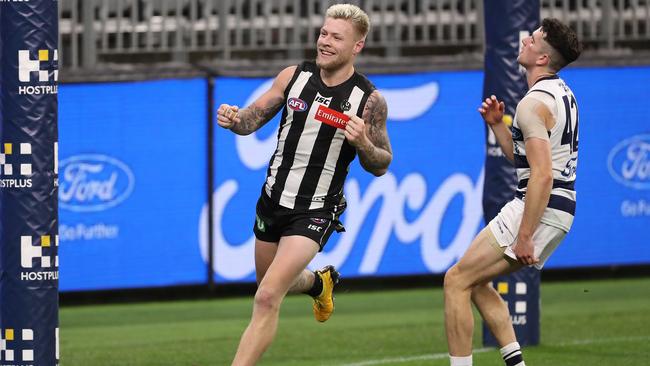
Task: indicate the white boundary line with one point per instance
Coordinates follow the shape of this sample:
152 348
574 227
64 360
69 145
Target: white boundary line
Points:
439 356
435 356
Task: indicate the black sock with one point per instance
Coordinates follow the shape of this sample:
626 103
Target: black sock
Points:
317 287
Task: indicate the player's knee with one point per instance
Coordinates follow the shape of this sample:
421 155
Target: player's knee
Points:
267 300
451 278
454 279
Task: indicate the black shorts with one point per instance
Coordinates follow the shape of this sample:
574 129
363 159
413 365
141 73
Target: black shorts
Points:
273 221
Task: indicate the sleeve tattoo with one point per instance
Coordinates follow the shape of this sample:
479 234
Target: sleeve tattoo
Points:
253 117
376 157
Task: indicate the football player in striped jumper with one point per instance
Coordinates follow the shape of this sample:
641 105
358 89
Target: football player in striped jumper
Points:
330 114
543 145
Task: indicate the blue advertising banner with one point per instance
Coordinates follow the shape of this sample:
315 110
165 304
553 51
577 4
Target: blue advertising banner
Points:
29 320
505 78
421 216
132 182
146 142
613 177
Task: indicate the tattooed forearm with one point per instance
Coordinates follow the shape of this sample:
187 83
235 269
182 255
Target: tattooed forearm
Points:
255 116
374 160
376 156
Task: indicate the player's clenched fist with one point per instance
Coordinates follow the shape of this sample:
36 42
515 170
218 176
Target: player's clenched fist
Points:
355 132
228 116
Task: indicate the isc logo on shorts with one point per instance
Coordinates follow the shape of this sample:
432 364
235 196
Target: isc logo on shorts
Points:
297 104
316 228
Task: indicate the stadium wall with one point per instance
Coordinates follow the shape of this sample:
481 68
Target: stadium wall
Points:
133 181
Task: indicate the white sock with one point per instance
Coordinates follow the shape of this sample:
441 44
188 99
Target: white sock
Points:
460 361
511 354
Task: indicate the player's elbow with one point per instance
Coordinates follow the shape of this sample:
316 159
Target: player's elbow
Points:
383 170
379 172
241 132
377 167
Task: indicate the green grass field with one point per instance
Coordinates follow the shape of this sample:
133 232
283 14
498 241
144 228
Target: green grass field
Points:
583 323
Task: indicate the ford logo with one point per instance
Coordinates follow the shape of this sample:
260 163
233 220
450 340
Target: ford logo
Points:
93 182
629 162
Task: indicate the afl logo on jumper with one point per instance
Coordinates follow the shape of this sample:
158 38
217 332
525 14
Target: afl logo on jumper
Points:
297 104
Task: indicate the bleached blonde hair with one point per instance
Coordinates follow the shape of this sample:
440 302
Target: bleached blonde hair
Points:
353 13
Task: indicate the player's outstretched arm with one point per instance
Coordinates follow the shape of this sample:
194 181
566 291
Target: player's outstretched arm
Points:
492 112
369 136
253 117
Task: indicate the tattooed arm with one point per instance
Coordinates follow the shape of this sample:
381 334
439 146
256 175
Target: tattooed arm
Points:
253 117
369 136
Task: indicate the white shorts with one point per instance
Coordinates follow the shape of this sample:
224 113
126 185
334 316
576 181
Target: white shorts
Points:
505 228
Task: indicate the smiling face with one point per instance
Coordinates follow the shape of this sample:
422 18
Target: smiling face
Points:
337 45
534 50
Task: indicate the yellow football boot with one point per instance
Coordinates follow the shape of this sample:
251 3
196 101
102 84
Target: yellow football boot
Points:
324 303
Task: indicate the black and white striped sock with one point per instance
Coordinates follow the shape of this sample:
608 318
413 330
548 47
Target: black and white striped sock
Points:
512 356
